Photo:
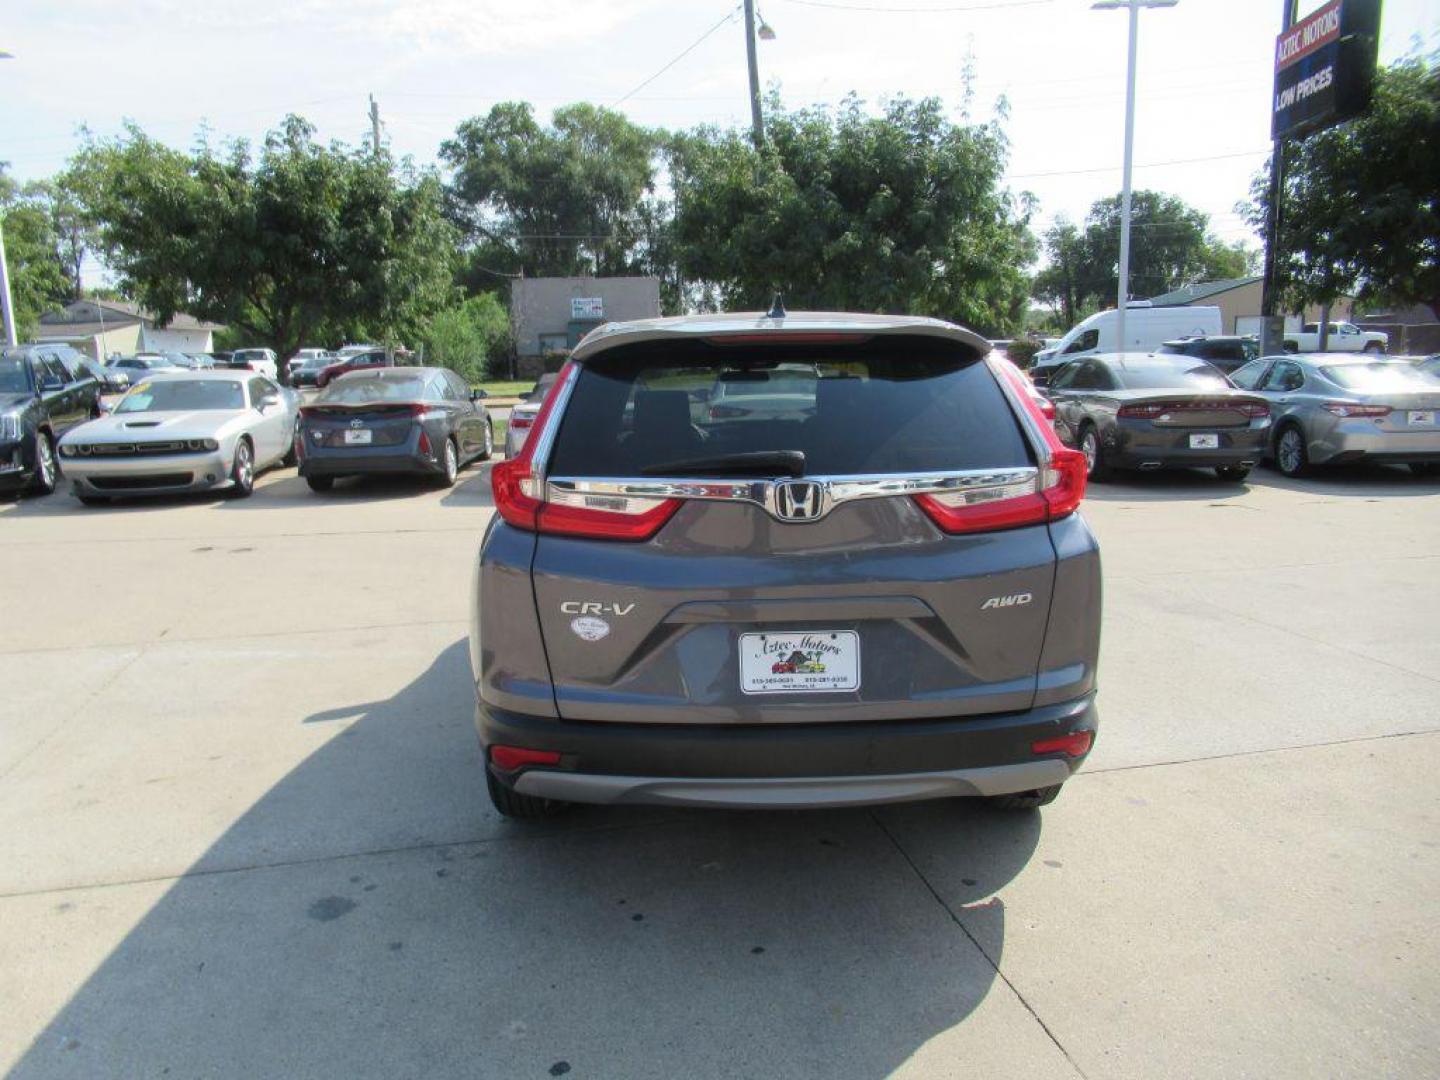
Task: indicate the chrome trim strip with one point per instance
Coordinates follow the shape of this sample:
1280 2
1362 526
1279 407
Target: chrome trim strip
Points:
545 437
837 489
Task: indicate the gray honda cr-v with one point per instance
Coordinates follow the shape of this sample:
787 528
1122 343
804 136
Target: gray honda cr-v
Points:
816 560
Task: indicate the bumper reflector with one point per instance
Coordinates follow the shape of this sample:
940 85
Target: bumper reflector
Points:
1076 744
510 758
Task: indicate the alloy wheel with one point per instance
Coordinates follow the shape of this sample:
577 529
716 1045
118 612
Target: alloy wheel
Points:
1291 452
45 461
1091 449
452 465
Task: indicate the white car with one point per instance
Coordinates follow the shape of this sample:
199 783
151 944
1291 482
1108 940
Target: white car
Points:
261 360
183 431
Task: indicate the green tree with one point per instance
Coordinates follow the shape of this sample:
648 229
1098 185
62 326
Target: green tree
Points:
1065 283
37 278
902 212
296 243
557 200
1362 200
470 338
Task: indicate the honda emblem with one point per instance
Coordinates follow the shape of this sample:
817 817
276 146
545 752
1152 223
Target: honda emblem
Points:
799 500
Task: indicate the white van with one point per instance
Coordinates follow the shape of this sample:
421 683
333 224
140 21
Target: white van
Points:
1146 328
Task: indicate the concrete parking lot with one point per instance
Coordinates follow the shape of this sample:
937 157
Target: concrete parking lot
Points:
243 830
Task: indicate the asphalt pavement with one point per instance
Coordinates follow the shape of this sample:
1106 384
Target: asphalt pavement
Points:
243 828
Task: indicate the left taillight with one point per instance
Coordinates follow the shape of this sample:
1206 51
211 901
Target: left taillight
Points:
1348 409
522 500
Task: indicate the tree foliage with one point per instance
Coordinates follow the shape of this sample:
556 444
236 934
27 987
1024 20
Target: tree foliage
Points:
1170 246
901 212
1362 200
470 338
297 243
551 201
37 276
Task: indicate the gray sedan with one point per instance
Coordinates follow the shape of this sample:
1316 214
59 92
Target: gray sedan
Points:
522 417
1334 410
1147 411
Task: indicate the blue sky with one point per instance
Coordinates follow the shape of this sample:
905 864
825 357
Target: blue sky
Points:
1202 126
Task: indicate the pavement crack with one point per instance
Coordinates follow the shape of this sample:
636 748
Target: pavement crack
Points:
1262 750
935 894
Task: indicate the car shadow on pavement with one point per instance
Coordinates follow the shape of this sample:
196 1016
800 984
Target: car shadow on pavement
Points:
335 930
1164 485
1354 481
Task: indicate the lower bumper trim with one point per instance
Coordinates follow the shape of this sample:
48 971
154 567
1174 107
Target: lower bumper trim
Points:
811 791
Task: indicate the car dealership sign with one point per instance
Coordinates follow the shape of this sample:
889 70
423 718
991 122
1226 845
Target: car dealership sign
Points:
1324 67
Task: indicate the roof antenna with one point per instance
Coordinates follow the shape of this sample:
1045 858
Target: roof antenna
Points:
777 308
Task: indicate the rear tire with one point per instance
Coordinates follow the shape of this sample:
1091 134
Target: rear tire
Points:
1234 474
1292 456
449 464
1026 800
291 457
1097 469
512 804
320 484
489 442
1374 348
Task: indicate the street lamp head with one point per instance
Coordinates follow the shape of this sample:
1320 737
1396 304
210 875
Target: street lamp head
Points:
1122 5
765 33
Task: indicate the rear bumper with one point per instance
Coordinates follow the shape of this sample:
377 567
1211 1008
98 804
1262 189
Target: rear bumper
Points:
1354 440
839 764
1139 445
406 457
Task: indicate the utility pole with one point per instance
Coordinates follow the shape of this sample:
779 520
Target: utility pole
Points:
9 312
757 124
1123 292
375 123
1272 327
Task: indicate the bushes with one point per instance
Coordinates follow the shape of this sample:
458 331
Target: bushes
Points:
470 339
1022 351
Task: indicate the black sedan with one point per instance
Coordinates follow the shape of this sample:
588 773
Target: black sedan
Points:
419 420
40 399
1157 411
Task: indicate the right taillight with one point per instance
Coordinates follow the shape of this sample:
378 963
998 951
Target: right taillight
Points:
522 501
1055 494
1349 409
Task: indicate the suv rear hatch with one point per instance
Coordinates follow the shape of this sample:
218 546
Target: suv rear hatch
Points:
779 529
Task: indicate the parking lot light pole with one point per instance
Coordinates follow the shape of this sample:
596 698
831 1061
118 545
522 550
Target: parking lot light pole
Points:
5 307
1123 292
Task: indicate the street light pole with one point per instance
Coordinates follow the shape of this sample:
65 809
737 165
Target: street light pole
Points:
1123 292
757 124
5 308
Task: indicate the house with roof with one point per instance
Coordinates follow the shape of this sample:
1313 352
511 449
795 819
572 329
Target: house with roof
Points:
102 328
1239 302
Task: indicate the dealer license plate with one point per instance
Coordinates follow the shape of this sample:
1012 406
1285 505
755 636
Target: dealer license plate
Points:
800 663
354 436
1422 416
1204 442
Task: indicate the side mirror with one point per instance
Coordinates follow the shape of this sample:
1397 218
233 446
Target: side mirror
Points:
477 394
268 400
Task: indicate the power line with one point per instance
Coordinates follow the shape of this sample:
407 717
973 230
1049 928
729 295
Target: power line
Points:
1147 165
1000 4
683 53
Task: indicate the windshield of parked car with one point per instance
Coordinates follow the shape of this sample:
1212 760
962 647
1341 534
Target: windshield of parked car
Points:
890 405
358 390
1182 374
14 375
540 389
165 395
247 356
1378 378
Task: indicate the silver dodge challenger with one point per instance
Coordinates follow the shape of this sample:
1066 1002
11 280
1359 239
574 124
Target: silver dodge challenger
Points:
183 431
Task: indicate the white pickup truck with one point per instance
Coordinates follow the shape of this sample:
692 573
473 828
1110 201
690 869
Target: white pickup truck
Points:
1344 337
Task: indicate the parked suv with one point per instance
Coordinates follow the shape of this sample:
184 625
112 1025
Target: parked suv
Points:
43 393
874 587
1226 352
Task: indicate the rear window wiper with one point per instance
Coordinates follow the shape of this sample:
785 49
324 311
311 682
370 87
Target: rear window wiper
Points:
762 462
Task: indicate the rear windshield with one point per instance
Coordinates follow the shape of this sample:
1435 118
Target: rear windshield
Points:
359 391
1182 375
1377 378
891 405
